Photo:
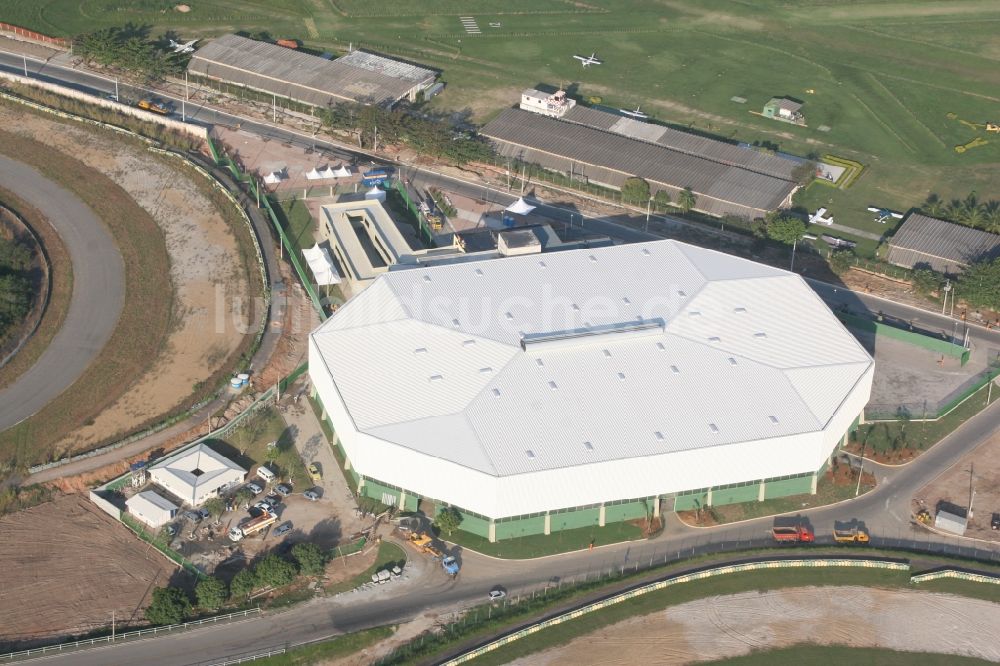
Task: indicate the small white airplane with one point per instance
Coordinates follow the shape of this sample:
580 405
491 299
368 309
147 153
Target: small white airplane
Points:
187 47
587 61
635 114
883 215
820 217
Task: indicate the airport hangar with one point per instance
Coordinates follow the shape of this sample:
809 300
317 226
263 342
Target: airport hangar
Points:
538 393
603 148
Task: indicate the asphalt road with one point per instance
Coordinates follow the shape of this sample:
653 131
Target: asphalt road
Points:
98 293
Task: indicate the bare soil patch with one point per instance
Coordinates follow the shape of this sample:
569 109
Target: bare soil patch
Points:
979 471
67 565
722 627
208 275
60 288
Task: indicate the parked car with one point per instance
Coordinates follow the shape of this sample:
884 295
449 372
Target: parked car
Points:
273 503
311 495
995 521
193 516
203 513
284 528
283 489
497 593
314 472
264 505
254 488
273 498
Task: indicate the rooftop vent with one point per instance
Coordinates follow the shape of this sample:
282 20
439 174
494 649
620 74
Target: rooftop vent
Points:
455 322
541 264
732 361
658 435
479 271
539 362
496 393
509 316
468 343
485 370
713 427
420 350
645 251
715 338
625 300
760 335
674 369
436 378
593 259
694 313
553 386
576 307
661 346
588 446
607 354
682 293
621 376
739 309
529 453
773 419
427 278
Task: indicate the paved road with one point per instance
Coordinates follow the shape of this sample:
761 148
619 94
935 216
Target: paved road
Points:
98 293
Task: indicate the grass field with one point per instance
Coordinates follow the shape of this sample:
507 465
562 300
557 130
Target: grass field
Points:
248 443
540 545
324 652
145 316
881 74
807 655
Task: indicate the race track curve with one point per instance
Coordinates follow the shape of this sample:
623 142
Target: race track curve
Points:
96 303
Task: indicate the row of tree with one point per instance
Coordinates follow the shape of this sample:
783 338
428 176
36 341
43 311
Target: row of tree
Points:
128 48
978 285
969 211
171 605
636 191
16 290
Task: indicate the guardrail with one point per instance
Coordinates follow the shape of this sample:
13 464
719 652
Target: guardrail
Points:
667 582
138 634
243 658
955 573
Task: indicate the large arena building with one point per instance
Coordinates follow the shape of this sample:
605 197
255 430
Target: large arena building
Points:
546 392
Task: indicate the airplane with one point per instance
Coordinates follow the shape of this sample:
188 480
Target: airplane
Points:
587 61
635 114
183 48
883 215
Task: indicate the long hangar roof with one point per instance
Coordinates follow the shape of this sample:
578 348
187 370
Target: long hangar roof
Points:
727 179
539 362
358 76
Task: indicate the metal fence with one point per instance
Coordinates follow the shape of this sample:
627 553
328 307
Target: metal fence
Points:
246 657
138 634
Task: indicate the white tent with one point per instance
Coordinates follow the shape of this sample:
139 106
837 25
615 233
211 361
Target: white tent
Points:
342 172
275 177
314 175
520 207
321 265
329 172
375 193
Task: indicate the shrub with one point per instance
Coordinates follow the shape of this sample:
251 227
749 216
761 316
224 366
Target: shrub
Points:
170 606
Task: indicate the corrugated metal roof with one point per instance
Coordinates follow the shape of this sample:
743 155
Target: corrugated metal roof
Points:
613 157
453 380
944 246
358 76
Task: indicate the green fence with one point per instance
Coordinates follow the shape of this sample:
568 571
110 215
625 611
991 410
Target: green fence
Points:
423 229
159 544
294 251
928 342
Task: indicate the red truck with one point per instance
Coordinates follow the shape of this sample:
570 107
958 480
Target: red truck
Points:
796 534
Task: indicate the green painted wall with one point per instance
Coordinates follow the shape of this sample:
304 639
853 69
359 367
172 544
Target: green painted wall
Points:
377 491
617 513
735 495
520 528
689 502
788 487
412 502
475 525
569 520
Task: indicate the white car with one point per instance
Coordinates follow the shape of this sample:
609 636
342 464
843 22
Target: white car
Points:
254 488
497 593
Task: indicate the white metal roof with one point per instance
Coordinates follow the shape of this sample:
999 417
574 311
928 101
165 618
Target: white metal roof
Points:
538 362
196 469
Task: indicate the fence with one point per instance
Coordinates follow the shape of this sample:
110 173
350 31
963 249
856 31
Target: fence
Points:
349 549
127 636
892 328
920 411
422 227
955 573
294 251
245 657
156 542
33 36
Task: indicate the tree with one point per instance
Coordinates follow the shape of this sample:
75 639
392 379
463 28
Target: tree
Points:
243 495
841 261
170 605
934 206
925 280
447 519
979 284
687 199
275 571
211 593
785 229
661 200
804 173
311 558
215 506
635 190
243 583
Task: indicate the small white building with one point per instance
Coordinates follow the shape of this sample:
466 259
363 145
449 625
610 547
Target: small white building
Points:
548 104
197 474
152 509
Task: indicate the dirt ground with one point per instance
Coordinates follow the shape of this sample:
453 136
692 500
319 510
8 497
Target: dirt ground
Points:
47 592
210 312
404 634
977 471
725 627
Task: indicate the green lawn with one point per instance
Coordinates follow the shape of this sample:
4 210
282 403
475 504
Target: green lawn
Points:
389 554
808 655
539 545
882 75
247 445
327 651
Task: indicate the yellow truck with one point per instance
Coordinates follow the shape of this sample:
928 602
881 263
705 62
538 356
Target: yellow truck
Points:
155 107
853 535
314 473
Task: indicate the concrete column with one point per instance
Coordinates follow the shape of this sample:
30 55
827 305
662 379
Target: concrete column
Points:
361 485
313 393
815 479
347 463
402 500
493 532
548 523
843 442
656 507
322 416
708 498
760 493
600 517
861 418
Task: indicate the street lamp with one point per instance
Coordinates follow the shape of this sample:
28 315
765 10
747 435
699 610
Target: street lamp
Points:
945 289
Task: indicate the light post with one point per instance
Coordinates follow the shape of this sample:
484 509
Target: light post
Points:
945 289
861 467
649 206
794 244
25 58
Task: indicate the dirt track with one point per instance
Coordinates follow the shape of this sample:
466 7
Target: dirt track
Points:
724 627
41 552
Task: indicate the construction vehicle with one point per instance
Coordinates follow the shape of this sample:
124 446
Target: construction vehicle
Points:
924 516
993 127
253 526
795 534
420 541
155 107
853 535
450 566
287 43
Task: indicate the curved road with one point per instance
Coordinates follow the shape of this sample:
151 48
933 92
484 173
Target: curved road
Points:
98 293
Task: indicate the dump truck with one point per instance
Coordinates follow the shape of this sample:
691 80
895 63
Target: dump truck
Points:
796 534
155 107
450 566
253 526
853 535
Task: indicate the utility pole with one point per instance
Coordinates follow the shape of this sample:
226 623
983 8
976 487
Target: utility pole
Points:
945 289
25 58
274 108
112 626
861 467
972 489
117 99
792 267
649 206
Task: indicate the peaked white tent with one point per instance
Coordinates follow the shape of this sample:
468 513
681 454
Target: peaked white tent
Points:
342 172
321 265
314 175
520 207
275 177
376 194
328 172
